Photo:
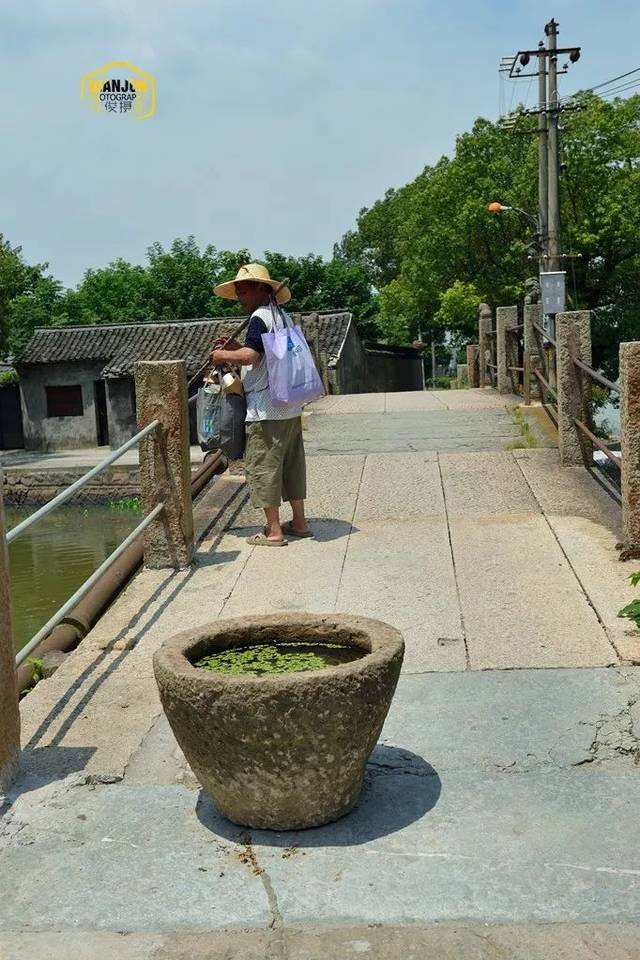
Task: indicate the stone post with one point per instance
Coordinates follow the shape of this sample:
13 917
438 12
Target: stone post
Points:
323 370
630 446
573 338
473 365
462 373
9 712
484 330
165 464
506 321
532 342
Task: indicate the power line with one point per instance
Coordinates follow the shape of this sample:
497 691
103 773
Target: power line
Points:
599 86
618 90
621 77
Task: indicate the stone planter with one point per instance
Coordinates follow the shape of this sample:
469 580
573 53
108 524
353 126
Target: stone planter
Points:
282 751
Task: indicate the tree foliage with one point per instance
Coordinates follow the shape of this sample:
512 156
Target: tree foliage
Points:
428 245
176 283
417 262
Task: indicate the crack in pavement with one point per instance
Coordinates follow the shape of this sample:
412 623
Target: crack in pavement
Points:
277 947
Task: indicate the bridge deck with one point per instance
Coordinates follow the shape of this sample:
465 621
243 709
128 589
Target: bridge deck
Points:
489 560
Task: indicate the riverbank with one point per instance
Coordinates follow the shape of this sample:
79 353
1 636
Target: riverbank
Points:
55 556
33 478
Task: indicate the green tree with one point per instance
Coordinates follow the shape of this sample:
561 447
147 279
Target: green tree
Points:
458 310
17 279
36 308
418 242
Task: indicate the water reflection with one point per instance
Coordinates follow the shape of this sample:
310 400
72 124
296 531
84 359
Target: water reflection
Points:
55 556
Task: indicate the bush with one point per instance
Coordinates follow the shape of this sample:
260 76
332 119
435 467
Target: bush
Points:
439 383
8 377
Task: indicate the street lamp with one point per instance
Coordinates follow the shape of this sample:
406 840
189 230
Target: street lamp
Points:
497 207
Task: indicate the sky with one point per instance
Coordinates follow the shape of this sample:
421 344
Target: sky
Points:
276 121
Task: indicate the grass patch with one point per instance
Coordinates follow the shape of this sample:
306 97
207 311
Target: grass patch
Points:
528 438
127 503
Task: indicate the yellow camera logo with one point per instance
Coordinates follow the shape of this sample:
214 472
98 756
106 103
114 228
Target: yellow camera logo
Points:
121 88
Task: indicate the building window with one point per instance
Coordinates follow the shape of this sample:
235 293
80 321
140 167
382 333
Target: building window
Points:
64 401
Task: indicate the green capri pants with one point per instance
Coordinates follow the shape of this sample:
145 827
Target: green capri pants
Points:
274 462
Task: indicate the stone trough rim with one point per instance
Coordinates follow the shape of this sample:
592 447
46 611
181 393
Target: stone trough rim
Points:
384 639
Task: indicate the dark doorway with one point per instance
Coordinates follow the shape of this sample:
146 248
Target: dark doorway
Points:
11 436
102 420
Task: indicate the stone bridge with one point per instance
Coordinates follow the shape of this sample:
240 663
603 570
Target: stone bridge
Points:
500 811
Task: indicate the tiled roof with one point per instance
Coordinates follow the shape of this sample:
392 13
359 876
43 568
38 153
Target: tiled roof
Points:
121 345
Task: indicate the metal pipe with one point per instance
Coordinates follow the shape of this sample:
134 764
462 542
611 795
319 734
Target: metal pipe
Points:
546 384
77 624
79 621
609 384
69 491
545 335
597 442
66 608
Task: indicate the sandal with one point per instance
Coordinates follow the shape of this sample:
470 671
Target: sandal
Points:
291 532
260 540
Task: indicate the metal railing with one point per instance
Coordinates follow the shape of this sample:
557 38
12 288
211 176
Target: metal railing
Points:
547 390
517 371
586 430
490 363
57 501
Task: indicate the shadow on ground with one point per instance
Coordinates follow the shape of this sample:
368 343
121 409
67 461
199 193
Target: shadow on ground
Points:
324 530
399 789
44 765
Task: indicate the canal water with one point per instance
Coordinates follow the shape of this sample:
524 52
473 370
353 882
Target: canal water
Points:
56 555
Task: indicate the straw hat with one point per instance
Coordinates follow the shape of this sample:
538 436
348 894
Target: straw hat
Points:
259 274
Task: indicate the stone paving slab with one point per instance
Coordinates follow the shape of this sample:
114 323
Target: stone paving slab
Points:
521 941
568 491
484 803
522 605
411 400
332 483
408 400
307 579
591 549
400 486
477 485
350 403
411 585
475 429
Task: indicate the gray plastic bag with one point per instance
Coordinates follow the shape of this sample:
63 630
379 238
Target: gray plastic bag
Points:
232 428
220 419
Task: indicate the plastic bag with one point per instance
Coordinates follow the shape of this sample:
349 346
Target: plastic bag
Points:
208 415
293 377
220 418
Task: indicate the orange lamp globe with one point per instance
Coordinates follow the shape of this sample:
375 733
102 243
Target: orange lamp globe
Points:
494 207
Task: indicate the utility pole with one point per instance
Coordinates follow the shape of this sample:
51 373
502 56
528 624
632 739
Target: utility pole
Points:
548 112
553 150
543 192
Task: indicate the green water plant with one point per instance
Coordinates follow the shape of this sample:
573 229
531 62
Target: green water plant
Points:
632 610
127 503
36 668
277 658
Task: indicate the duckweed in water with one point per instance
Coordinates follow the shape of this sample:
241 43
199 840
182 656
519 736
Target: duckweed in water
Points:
279 658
